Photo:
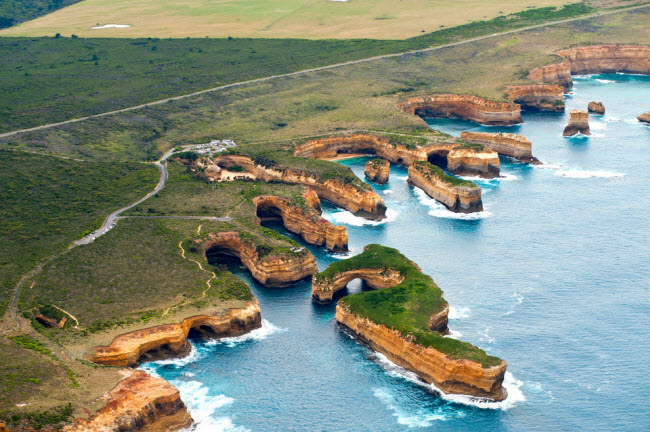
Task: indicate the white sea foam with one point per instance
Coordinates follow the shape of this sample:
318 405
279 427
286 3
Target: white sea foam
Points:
416 418
580 77
440 211
454 334
459 313
110 26
548 166
604 81
388 192
502 177
510 383
404 178
261 333
193 356
347 218
485 336
584 174
598 126
609 118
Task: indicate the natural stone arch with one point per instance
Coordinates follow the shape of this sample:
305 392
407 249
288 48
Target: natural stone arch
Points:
376 278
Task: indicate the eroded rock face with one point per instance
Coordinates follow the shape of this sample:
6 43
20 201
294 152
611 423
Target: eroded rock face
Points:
138 402
468 162
170 340
459 199
271 270
645 117
466 107
559 73
543 97
377 170
304 221
578 123
596 108
323 290
506 144
399 154
449 375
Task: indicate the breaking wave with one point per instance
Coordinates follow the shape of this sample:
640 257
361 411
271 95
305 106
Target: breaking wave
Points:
347 218
440 211
459 313
261 333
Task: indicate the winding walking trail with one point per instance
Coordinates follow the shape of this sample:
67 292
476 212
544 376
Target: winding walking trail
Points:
321 68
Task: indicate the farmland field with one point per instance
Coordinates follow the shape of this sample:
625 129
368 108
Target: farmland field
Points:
312 19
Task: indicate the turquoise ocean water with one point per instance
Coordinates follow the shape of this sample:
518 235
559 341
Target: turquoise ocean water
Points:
553 277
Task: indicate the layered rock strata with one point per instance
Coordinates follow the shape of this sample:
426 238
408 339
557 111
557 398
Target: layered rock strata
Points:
364 203
645 117
267 267
578 123
466 107
323 290
480 163
462 197
596 108
543 97
469 162
138 402
456 376
506 144
594 59
377 171
304 221
171 340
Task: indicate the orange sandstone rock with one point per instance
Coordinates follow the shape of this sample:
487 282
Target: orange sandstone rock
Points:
377 170
459 199
170 340
645 117
559 73
467 107
323 291
544 97
467 161
136 403
596 108
578 123
506 144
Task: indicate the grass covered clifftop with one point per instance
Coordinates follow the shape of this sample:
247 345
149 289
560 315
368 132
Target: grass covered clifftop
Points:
431 171
407 307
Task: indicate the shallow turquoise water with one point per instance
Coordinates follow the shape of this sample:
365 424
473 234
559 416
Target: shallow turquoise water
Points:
553 277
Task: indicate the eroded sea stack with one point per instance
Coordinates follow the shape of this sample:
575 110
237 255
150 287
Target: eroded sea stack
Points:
578 123
405 319
377 171
644 118
543 97
466 107
596 108
506 144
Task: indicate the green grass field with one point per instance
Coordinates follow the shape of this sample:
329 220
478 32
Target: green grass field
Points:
47 202
314 19
109 74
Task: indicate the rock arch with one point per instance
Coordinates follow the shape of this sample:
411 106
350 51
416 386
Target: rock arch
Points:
323 290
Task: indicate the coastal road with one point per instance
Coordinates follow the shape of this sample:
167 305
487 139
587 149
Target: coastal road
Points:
317 69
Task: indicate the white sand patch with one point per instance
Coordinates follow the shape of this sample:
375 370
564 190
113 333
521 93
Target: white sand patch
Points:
99 27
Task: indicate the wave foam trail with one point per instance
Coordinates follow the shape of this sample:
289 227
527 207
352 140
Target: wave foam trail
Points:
440 211
388 192
583 174
417 418
604 81
598 126
502 177
261 333
459 313
193 356
347 218
454 334
548 166
510 383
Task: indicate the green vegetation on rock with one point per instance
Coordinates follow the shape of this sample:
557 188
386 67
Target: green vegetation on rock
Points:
406 307
431 171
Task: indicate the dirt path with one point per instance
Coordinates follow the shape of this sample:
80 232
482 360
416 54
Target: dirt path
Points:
321 68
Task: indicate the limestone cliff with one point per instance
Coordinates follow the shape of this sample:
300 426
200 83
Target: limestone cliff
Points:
596 108
578 123
461 197
506 144
466 107
482 163
559 73
362 202
377 170
543 97
468 162
269 267
171 340
136 403
460 376
645 117
323 290
304 221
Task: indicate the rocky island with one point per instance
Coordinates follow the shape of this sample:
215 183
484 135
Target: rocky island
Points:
596 108
405 319
377 171
578 123
506 144
644 118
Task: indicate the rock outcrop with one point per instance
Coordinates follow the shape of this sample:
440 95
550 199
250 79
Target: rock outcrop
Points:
303 220
634 59
578 123
457 376
466 161
466 107
269 267
483 163
459 196
645 117
596 108
543 97
377 170
361 202
171 340
323 290
138 402
506 144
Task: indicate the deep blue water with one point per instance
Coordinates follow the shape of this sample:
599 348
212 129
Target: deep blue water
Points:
553 277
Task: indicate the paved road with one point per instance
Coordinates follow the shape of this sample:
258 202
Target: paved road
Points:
321 68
